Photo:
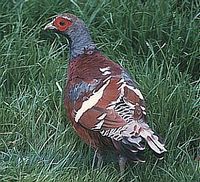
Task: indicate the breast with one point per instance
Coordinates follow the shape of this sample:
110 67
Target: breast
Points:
83 77
92 138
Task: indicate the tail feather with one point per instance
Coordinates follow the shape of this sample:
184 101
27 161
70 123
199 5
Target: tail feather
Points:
137 131
153 141
134 142
133 138
131 153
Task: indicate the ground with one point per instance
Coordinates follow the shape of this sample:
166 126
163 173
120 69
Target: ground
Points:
157 41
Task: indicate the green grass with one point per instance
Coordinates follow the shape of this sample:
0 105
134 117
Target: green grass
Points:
157 41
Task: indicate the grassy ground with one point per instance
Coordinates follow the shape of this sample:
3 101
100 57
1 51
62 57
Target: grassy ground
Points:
158 41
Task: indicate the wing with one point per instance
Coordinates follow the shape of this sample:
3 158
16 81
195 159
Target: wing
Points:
112 105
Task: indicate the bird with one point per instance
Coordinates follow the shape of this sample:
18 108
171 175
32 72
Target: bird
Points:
103 102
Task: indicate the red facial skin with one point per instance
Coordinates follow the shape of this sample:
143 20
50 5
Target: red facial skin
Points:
62 24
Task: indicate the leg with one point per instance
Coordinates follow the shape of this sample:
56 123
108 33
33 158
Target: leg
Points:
122 164
94 158
99 160
98 155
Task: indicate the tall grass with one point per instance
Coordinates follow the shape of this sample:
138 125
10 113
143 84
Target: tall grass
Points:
157 41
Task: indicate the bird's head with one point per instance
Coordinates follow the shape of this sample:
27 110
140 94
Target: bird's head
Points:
75 30
65 23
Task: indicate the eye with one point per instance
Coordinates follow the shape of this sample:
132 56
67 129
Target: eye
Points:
62 23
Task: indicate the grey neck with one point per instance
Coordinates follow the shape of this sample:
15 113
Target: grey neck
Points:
80 40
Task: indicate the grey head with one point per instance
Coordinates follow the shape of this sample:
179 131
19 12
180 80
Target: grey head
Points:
75 30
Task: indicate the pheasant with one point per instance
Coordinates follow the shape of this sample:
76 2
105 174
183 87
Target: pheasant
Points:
103 102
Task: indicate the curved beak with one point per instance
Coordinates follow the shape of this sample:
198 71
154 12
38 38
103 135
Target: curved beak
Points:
50 26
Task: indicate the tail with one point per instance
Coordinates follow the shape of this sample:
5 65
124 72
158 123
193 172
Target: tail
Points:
154 141
132 144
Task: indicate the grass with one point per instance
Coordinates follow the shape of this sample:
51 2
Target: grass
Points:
157 41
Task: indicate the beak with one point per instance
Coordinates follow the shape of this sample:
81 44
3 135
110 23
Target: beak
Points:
50 26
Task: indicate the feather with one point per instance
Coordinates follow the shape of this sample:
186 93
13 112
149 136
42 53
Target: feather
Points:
103 102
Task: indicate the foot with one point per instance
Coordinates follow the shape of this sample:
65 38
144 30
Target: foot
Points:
122 164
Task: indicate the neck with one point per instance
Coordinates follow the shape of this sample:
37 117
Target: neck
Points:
80 41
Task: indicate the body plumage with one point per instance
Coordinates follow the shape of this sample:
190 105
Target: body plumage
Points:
103 103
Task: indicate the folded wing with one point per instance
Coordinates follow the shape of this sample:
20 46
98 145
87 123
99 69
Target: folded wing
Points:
116 109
